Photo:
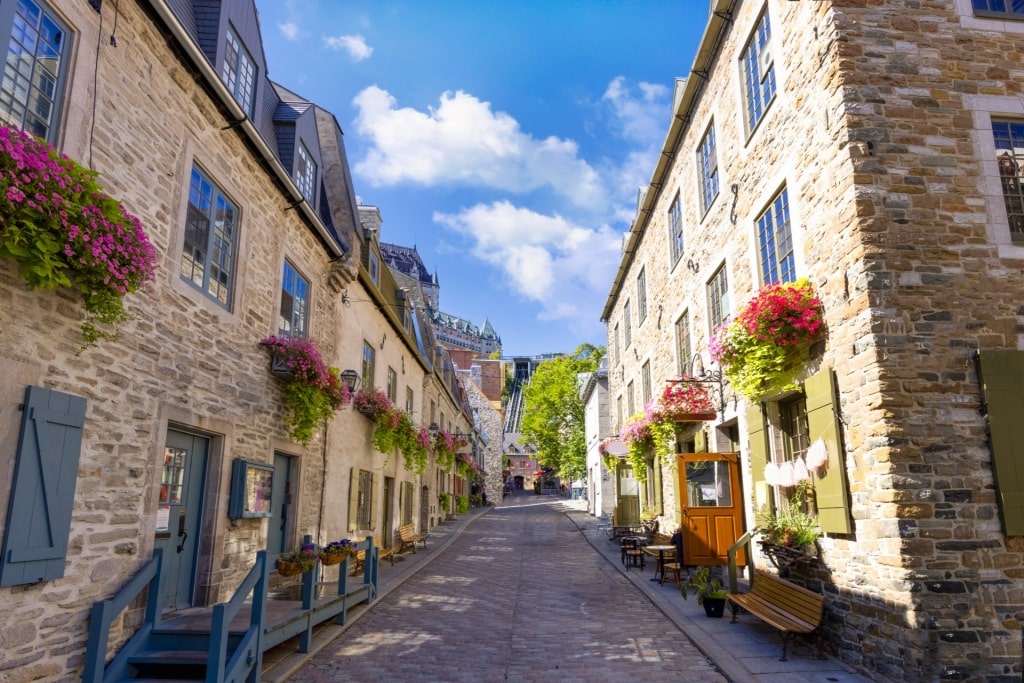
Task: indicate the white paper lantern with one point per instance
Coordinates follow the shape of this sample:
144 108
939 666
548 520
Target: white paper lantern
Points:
817 455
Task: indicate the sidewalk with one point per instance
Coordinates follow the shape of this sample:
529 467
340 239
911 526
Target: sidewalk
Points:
745 651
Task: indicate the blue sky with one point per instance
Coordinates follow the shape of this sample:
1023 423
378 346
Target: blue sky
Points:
505 140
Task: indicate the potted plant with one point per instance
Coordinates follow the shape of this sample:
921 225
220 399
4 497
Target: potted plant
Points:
762 347
335 552
708 590
64 231
649 520
298 561
313 390
788 534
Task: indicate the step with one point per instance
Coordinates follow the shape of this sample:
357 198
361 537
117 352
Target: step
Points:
169 657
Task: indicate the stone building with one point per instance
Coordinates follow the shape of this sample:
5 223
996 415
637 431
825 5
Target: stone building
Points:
244 189
600 484
858 145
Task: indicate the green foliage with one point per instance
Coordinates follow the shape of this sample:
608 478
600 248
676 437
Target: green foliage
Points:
553 413
788 526
703 585
461 504
663 436
64 231
306 407
444 500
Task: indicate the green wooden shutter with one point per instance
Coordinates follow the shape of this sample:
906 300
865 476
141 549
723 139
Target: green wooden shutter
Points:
829 484
1002 383
43 488
372 502
758 454
353 501
657 484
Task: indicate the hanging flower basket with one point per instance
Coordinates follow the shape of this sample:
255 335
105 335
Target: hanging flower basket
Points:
280 367
298 561
683 400
289 568
335 552
763 348
371 402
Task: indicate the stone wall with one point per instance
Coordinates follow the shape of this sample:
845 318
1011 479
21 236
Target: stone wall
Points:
880 133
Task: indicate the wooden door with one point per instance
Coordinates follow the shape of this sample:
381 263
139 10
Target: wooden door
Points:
179 515
711 507
280 506
628 503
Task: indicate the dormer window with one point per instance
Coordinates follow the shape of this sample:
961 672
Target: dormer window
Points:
239 72
305 173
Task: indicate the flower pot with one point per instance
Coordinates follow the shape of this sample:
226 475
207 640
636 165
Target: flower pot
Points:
714 607
368 412
279 367
289 567
696 417
331 559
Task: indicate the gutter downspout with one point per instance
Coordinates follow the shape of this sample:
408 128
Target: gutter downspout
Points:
243 122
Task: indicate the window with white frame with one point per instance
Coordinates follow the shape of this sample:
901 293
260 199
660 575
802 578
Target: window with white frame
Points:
707 160
718 298
641 295
293 319
775 242
369 361
615 345
208 253
1009 141
625 325
683 343
239 72
305 174
618 412
675 229
1007 9
34 72
410 403
630 399
759 72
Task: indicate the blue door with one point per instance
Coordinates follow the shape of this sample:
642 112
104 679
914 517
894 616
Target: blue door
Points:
280 504
179 514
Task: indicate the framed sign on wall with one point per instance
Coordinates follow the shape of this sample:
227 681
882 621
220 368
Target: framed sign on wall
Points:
251 486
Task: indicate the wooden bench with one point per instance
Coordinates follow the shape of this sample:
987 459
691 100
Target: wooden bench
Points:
383 554
788 607
407 536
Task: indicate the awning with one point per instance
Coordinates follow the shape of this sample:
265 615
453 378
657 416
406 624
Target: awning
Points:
617 448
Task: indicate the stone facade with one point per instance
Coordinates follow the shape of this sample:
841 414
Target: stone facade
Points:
144 114
600 481
879 132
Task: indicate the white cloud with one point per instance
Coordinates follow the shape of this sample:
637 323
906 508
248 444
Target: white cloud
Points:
564 267
289 29
642 119
355 46
464 142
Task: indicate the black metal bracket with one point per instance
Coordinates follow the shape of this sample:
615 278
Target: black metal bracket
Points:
714 378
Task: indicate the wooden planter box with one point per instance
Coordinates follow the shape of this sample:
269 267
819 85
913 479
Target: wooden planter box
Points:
696 417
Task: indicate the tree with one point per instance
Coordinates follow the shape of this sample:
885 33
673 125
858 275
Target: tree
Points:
553 411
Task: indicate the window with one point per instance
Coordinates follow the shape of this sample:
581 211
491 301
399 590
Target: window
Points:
625 323
34 71
1009 141
393 386
410 403
1010 8
775 241
641 294
718 298
406 502
364 501
374 269
630 399
369 358
615 345
645 378
208 256
294 304
305 175
618 412
707 160
759 72
683 343
675 229
239 72
793 428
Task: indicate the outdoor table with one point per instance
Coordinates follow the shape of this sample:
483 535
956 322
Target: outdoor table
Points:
661 559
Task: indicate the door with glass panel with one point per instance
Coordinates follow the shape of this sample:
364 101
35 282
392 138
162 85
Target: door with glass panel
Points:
179 515
711 507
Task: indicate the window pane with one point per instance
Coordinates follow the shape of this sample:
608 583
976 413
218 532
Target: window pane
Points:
209 248
707 484
294 303
33 71
758 72
1009 142
708 160
775 239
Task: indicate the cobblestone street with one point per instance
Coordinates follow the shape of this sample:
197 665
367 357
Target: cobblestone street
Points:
519 596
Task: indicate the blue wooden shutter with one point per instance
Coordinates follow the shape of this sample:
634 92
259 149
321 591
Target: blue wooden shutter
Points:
1002 381
43 490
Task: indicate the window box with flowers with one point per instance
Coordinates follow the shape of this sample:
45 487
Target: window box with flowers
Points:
313 390
444 450
685 400
64 231
414 444
763 347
